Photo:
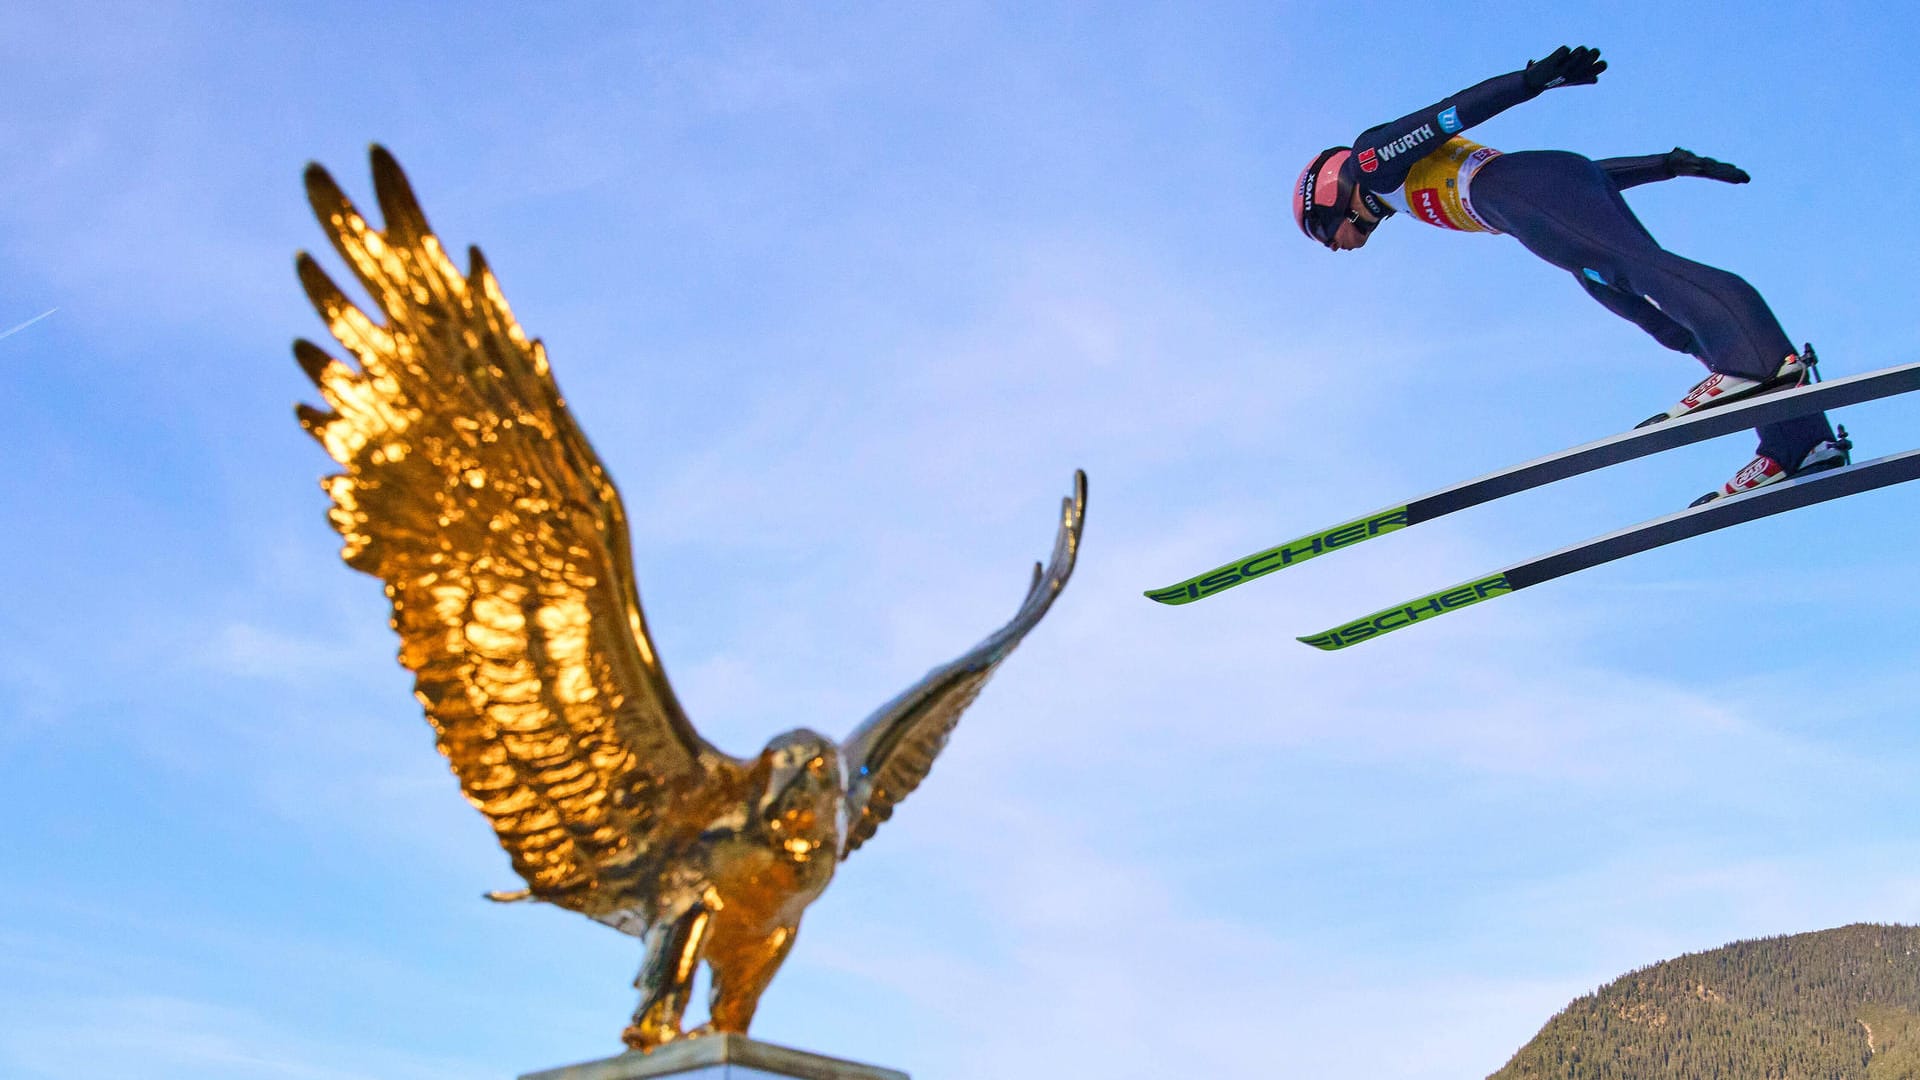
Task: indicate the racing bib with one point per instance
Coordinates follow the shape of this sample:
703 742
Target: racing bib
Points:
1436 188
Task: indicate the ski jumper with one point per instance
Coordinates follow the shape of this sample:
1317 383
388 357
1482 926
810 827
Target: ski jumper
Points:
1567 209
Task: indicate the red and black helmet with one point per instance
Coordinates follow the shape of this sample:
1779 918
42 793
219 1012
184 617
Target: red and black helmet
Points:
1324 193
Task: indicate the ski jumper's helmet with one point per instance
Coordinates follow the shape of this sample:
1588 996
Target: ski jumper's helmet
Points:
1324 191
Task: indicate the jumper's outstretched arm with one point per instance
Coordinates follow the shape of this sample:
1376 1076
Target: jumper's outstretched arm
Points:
1387 151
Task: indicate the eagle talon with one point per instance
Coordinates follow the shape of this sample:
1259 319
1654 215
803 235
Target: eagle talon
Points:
645 1038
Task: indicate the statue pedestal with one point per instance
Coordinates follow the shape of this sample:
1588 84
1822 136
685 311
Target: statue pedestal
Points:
719 1057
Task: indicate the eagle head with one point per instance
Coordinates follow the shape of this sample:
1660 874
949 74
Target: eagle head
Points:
800 806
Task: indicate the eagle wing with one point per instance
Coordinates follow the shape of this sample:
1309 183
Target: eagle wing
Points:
469 490
889 754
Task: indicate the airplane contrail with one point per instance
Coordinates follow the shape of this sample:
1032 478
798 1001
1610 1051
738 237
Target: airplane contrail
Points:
28 323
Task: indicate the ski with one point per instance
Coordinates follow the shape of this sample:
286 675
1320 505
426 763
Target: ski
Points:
1626 446
1718 514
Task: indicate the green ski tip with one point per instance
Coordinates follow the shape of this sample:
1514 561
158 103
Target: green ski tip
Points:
1390 619
1291 553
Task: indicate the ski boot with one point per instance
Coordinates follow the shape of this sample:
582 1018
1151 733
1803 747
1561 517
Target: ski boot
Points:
1719 389
1763 470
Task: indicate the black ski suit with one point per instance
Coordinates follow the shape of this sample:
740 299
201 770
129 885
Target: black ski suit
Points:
1568 210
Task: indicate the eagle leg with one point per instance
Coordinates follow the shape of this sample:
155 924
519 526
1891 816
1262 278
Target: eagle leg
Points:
741 975
665 981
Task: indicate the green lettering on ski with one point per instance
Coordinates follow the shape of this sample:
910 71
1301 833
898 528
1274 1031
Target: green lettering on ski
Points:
1288 554
1426 607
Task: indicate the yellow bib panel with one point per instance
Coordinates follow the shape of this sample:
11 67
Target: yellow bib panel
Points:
1436 188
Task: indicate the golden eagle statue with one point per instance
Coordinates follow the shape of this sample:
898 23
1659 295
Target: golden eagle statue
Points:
471 493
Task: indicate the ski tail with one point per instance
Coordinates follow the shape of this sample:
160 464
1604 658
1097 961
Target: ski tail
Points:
1291 553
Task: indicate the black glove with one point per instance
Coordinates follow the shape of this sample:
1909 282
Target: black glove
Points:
1688 163
1565 67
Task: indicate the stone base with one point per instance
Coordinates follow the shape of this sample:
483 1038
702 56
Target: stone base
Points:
719 1057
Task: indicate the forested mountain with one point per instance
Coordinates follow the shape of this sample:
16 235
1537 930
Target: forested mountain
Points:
1833 1005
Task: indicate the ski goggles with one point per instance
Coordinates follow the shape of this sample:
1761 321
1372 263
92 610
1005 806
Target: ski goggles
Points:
1324 227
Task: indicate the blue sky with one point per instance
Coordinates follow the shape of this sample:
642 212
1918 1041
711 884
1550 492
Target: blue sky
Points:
843 294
